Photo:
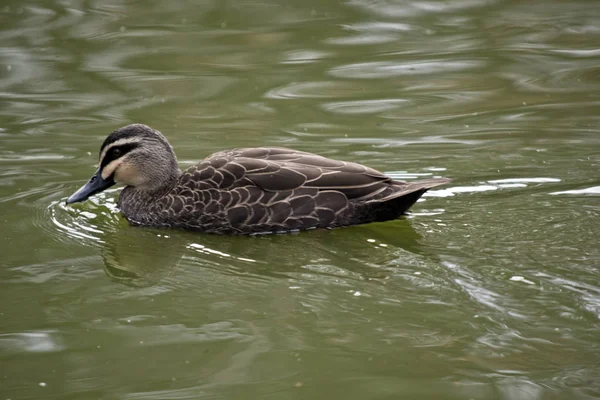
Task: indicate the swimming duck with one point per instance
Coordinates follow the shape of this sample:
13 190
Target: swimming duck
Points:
243 191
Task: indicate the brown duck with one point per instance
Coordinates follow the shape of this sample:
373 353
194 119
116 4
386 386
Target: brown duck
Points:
244 191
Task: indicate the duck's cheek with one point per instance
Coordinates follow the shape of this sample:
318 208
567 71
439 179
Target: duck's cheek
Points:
109 169
127 174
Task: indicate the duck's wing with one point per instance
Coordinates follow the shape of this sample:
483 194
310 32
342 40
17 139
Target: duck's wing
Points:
277 189
276 169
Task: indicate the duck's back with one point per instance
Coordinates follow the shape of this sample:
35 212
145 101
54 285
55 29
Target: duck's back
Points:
262 190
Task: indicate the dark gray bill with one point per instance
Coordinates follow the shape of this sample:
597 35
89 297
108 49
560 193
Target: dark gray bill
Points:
95 185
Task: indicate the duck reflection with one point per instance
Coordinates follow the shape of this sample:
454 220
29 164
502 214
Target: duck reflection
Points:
142 257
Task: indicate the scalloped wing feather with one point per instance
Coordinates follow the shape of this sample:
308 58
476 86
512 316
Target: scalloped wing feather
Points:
277 189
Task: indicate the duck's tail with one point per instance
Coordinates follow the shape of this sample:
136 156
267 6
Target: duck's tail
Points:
397 203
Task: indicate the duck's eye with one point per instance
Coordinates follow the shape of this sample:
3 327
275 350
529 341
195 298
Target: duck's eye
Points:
116 153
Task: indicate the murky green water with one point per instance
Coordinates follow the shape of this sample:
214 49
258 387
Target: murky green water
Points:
490 290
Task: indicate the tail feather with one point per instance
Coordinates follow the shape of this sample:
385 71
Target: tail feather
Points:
399 202
406 188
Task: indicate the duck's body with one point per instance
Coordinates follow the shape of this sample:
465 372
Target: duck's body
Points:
244 191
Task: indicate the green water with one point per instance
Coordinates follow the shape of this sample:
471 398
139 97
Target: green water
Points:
489 290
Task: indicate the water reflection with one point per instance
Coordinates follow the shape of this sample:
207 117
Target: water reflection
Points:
142 257
139 257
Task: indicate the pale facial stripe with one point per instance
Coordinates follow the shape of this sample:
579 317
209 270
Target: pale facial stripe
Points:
110 168
123 172
119 142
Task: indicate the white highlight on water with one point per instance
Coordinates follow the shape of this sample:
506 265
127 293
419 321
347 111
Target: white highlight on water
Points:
517 278
592 190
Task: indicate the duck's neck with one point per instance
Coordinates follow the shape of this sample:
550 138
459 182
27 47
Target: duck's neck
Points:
166 186
136 202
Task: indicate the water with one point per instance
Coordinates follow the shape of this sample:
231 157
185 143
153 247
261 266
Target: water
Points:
488 291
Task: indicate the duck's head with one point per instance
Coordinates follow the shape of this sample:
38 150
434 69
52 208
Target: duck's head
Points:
135 155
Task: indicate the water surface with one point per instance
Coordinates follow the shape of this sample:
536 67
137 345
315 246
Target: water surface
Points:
489 290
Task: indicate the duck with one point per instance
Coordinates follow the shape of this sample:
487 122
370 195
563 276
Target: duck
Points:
243 191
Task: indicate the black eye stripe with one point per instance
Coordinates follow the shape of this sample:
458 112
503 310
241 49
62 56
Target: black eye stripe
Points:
117 152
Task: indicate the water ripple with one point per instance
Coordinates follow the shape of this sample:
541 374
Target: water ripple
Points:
364 39
595 190
303 56
31 342
389 69
300 90
414 8
363 106
92 222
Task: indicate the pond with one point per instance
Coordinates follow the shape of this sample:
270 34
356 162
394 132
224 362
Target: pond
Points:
490 289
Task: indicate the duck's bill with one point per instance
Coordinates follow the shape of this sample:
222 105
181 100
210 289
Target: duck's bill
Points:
95 185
